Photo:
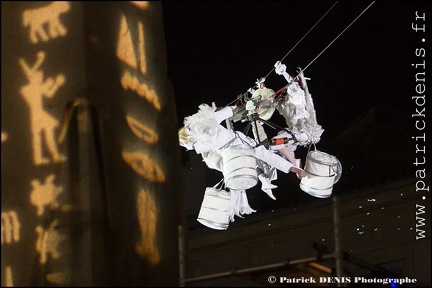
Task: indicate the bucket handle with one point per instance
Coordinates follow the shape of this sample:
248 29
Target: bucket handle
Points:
221 183
232 140
309 148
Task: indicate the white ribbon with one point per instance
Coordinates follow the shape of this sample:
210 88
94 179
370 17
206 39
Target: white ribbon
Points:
239 204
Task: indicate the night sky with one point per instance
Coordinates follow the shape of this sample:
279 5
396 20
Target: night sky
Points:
361 83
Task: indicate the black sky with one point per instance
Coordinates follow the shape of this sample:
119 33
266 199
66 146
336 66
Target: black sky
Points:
217 50
363 81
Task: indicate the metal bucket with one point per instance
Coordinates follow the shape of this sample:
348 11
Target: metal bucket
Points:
214 209
324 170
239 167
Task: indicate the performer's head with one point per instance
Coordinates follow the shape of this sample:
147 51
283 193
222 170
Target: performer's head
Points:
202 126
184 138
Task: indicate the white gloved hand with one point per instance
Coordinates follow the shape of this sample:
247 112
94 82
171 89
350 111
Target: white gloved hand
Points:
279 68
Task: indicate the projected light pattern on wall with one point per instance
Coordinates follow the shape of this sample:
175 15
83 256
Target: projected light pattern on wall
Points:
141 131
125 47
140 4
8 280
42 25
4 136
141 89
45 194
144 166
48 240
10 227
147 216
131 51
48 185
42 124
47 16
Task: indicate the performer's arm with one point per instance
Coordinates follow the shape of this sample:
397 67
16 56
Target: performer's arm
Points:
223 114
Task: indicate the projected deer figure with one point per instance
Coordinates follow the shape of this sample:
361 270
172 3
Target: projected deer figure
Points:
41 122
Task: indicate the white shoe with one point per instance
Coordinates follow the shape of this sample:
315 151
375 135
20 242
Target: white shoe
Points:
269 192
266 184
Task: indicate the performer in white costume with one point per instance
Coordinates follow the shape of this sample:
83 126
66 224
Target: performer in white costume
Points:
261 106
203 133
298 109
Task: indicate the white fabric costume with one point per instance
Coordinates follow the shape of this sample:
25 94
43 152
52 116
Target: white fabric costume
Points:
261 102
239 204
208 138
298 109
207 134
213 160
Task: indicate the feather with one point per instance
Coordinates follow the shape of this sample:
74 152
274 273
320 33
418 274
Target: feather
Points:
202 126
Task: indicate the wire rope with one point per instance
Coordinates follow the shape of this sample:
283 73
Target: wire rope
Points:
303 37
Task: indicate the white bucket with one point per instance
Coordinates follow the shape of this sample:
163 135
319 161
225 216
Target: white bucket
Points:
239 167
323 171
214 209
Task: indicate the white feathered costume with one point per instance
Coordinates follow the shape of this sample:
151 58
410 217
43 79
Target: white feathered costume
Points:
207 134
208 137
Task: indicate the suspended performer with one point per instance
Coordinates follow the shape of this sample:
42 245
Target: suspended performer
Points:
203 133
298 109
261 106
284 143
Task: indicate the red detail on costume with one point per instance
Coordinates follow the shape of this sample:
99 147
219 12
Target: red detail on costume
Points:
279 141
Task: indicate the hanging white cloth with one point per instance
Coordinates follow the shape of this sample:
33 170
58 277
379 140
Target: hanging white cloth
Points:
238 205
